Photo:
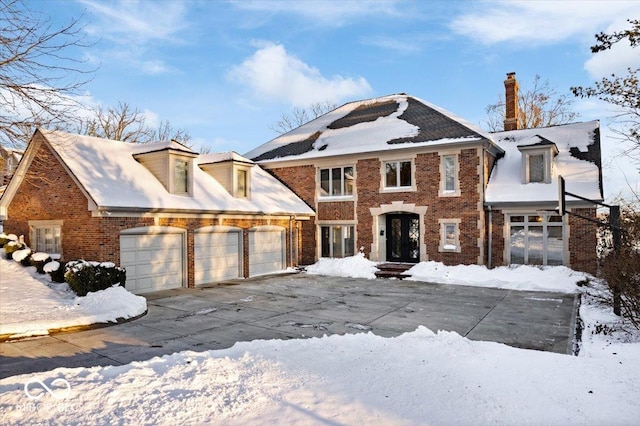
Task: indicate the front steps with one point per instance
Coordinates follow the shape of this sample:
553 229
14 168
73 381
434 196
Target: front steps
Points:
393 270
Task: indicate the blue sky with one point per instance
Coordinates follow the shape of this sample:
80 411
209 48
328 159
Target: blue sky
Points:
226 70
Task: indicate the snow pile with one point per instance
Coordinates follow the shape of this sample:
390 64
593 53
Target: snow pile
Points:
31 305
354 267
416 378
521 277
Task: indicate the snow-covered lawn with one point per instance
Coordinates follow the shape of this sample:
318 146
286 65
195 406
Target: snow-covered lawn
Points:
420 377
31 304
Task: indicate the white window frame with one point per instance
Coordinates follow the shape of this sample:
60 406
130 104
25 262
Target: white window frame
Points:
527 153
331 226
397 188
545 224
236 182
343 186
443 191
445 245
55 226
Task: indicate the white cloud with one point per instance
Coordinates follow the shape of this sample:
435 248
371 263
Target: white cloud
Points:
325 12
615 60
403 45
540 22
274 74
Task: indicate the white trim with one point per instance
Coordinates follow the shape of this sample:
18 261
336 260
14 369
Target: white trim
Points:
383 174
379 244
442 246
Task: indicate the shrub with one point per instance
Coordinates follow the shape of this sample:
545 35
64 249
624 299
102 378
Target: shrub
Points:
40 259
4 239
23 256
11 247
84 277
55 269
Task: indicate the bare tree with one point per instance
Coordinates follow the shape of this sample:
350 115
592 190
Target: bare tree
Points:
621 91
127 124
39 77
299 116
539 106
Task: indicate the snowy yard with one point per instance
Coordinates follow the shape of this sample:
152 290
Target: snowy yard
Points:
422 377
31 304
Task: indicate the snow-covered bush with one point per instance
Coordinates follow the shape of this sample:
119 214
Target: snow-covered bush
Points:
40 259
23 256
55 269
84 277
11 247
4 239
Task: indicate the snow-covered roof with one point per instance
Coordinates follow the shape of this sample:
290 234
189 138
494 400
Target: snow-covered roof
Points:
110 175
380 124
221 157
578 161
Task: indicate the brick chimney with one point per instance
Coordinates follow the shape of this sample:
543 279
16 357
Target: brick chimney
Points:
511 102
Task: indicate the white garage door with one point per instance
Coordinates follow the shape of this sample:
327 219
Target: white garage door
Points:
266 251
217 256
153 261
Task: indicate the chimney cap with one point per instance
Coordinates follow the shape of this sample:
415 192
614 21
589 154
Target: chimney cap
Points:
511 74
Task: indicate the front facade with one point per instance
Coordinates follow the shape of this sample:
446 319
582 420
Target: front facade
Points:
402 180
171 217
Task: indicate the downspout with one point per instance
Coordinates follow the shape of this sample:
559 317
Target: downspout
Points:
490 239
291 222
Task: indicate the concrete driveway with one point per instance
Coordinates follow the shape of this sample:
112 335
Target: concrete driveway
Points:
300 306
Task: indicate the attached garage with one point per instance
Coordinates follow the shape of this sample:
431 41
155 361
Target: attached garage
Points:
154 258
217 254
266 250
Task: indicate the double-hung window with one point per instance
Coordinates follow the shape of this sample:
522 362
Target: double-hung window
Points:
337 181
46 236
336 240
449 184
181 176
397 174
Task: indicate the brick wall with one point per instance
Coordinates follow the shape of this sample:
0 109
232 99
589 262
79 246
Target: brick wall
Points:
582 242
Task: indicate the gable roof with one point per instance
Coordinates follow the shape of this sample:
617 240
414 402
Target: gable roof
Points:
112 179
578 161
379 124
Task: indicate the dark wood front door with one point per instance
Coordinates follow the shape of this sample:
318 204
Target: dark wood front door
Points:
403 238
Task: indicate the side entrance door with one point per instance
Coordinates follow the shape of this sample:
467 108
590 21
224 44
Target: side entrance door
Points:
403 238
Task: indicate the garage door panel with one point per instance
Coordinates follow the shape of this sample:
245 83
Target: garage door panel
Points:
217 256
266 252
153 261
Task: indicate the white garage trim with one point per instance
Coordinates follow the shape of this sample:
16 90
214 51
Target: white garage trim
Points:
217 254
266 250
154 257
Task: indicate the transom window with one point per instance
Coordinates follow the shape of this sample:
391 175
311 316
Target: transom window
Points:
337 240
397 174
536 239
336 182
181 176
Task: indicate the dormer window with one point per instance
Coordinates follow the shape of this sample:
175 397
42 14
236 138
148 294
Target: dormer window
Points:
231 170
536 159
242 184
181 176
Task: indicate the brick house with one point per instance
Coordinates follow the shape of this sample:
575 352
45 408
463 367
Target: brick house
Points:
171 217
403 180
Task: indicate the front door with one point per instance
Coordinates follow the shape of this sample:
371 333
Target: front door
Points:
403 238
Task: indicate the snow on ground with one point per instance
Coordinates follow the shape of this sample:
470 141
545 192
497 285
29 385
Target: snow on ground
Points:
520 277
420 377
30 304
354 267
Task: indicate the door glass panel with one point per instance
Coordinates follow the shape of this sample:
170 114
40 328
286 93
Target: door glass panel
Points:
414 239
337 241
396 238
554 245
516 245
535 246
325 241
348 241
